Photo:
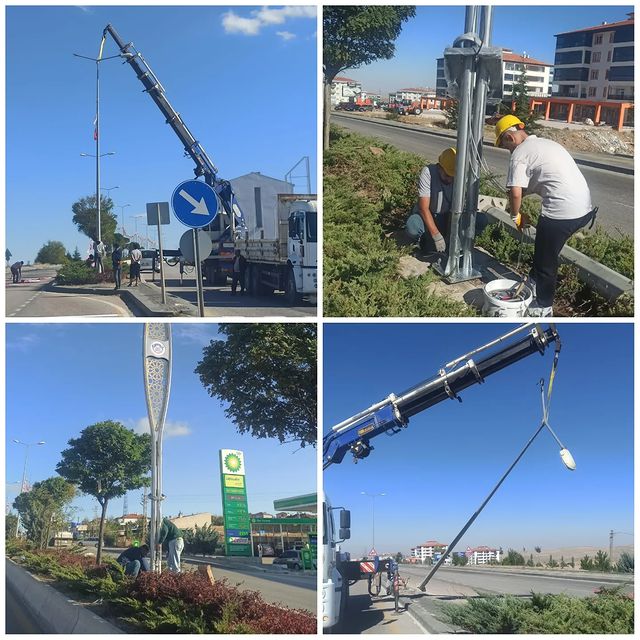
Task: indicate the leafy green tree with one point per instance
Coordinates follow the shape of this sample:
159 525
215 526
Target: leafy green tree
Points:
204 540
460 560
85 217
451 114
573 562
267 375
601 561
354 36
513 558
42 509
625 563
552 563
520 98
399 557
537 549
530 562
105 462
217 520
10 525
77 256
53 252
586 563
563 564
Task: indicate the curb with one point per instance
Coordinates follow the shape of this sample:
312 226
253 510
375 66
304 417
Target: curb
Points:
52 610
605 281
594 164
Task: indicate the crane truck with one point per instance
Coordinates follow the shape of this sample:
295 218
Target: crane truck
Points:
391 416
287 262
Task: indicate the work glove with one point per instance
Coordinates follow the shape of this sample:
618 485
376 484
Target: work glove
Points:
441 245
522 221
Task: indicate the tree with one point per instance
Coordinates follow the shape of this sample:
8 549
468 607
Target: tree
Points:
399 557
357 35
267 375
513 558
520 98
451 114
10 525
537 549
42 509
105 462
601 561
204 540
624 565
586 563
85 217
77 256
552 563
460 560
53 252
217 520
530 562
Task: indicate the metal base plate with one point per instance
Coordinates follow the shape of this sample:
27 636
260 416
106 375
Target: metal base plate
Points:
474 274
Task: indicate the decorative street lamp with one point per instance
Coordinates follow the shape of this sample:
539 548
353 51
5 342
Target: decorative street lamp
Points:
373 497
23 484
156 355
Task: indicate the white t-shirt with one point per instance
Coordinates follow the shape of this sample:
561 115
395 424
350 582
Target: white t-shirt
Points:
136 255
546 168
430 185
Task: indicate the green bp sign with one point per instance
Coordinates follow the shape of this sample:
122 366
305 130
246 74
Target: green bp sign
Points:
235 510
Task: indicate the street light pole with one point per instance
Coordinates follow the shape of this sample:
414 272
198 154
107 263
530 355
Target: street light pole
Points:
122 208
156 354
373 497
24 471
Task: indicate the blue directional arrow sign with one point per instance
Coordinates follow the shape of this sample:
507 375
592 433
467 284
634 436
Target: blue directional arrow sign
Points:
195 203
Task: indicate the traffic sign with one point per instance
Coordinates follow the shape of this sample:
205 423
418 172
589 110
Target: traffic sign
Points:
157 213
195 203
186 245
373 553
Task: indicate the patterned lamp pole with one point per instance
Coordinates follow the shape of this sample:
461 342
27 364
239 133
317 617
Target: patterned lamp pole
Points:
156 355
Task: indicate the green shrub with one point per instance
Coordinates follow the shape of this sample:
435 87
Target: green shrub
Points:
77 273
608 612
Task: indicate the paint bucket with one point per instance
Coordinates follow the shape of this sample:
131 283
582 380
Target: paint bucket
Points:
494 307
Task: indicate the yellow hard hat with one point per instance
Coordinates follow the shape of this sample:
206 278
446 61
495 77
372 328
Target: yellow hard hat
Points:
506 122
447 161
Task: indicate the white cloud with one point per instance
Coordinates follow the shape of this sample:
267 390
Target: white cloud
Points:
201 334
22 342
266 16
286 35
84 9
172 429
234 23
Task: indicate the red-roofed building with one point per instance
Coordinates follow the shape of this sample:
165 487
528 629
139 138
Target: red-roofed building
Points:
344 90
539 74
482 555
427 550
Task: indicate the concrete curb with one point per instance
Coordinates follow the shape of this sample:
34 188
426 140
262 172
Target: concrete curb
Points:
605 281
143 301
594 164
52 610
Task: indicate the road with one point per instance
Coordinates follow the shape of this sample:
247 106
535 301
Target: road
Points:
17 620
218 301
293 590
30 299
519 583
611 191
366 615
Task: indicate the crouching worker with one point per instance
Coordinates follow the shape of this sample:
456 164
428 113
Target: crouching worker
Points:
545 168
430 219
134 560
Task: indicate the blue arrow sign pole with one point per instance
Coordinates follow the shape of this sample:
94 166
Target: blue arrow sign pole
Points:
196 253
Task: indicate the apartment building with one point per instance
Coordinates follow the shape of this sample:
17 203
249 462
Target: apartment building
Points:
482 555
596 63
344 90
428 550
412 94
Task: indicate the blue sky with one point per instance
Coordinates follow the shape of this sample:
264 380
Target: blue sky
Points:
53 392
424 38
242 78
437 472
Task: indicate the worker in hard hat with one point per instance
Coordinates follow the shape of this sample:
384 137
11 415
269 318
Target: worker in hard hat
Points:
430 217
546 168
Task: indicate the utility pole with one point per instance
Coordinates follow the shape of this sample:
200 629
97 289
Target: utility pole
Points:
473 70
156 354
144 515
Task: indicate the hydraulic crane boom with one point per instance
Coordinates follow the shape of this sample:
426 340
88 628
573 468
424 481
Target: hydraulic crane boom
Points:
204 164
392 414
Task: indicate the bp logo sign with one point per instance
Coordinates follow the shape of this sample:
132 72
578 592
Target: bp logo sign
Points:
232 462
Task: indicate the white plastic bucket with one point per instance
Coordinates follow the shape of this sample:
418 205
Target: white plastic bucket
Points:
494 308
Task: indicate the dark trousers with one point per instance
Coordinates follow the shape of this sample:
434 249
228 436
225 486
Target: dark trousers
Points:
235 279
15 275
117 274
551 236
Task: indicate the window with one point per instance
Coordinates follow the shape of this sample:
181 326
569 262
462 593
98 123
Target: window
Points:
596 56
621 54
612 36
594 74
508 76
606 74
592 92
597 39
604 92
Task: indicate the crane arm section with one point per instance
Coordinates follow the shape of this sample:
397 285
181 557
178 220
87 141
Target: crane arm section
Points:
392 414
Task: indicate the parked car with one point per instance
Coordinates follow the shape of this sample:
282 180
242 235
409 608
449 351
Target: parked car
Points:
150 260
88 542
292 558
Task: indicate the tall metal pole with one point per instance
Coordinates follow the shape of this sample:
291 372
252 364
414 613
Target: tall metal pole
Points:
156 353
199 290
162 287
97 132
308 175
23 484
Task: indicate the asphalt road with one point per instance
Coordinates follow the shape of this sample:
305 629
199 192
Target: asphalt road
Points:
218 301
516 583
16 618
611 191
367 615
30 299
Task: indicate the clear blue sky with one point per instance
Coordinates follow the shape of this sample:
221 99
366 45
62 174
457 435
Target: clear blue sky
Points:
437 472
520 28
53 393
242 78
